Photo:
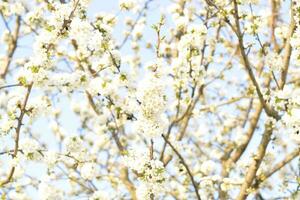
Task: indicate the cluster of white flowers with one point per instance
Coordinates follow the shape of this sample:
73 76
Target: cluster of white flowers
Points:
74 147
207 167
89 170
18 195
38 106
253 25
7 124
151 173
31 73
274 61
127 4
12 103
282 31
135 158
292 118
91 41
76 154
50 158
14 7
101 195
152 105
188 66
67 81
192 42
87 38
49 192
288 101
153 179
31 149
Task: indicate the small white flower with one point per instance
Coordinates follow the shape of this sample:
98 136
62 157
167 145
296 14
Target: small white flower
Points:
127 4
30 148
101 195
95 86
50 158
274 61
74 144
89 170
207 167
49 192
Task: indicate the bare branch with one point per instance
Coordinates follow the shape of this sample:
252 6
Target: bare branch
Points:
9 86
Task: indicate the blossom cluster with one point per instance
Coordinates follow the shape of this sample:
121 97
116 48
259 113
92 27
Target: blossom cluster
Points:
150 172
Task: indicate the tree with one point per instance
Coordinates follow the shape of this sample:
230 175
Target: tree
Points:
199 101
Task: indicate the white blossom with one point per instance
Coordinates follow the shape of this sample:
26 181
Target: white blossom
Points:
89 170
49 192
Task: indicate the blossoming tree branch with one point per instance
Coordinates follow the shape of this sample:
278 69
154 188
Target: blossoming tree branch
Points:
156 99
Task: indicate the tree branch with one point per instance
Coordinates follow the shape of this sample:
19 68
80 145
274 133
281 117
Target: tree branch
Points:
12 47
277 167
269 111
17 138
185 165
288 52
251 173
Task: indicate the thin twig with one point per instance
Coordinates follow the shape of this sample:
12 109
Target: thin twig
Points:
9 86
294 154
185 165
288 52
134 24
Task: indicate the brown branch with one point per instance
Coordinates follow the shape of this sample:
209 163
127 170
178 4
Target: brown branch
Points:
294 154
151 149
68 21
17 138
269 111
12 47
232 155
185 165
253 124
251 173
274 17
288 52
